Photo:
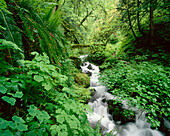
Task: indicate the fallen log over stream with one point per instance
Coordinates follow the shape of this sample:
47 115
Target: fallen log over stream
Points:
85 45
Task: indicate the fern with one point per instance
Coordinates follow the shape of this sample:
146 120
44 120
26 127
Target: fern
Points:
45 26
12 32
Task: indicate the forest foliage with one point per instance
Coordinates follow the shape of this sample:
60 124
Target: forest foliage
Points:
35 83
39 95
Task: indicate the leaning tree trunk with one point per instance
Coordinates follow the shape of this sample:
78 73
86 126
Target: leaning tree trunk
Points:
130 23
151 24
84 19
138 18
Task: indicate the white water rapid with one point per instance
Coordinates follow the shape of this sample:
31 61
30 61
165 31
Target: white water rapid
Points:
100 110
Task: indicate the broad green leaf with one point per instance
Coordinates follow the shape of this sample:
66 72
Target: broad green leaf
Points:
51 67
58 111
38 58
12 124
8 84
32 110
7 133
38 78
62 134
32 72
14 86
3 89
29 119
2 79
18 119
22 127
9 100
166 114
53 133
55 74
40 117
60 119
73 124
47 87
14 80
45 115
3 123
63 127
43 68
54 130
46 76
18 94
53 127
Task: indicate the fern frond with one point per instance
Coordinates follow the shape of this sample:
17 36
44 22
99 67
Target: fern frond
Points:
7 26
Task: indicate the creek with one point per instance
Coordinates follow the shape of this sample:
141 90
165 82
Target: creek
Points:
140 127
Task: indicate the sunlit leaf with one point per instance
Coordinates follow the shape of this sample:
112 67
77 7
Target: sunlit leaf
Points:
9 100
38 78
3 89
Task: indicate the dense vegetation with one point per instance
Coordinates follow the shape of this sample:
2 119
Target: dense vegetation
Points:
42 89
145 85
37 96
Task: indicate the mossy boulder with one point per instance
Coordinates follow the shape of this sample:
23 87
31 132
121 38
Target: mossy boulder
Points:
82 79
83 94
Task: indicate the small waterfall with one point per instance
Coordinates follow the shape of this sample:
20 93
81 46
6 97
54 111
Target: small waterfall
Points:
100 110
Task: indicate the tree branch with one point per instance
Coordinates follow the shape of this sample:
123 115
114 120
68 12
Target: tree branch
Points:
130 24
84 19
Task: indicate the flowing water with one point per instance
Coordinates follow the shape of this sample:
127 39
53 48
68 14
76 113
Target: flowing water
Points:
100 110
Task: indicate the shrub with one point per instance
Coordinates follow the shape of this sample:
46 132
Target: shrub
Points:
96 54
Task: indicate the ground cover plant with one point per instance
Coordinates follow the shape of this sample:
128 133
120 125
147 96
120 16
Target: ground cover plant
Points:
36 99
145 85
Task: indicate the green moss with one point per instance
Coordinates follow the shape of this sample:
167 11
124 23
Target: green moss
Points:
82 79
83 94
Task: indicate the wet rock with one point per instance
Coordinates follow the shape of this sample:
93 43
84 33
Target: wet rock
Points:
96 96
165 126
93 91
119 113
90 67
89 73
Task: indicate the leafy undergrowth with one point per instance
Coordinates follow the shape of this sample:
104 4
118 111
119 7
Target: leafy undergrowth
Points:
96 54
36 99
145 84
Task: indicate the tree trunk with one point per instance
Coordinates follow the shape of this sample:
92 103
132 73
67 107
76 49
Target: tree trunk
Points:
84 19
130 24
151 24
138 16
